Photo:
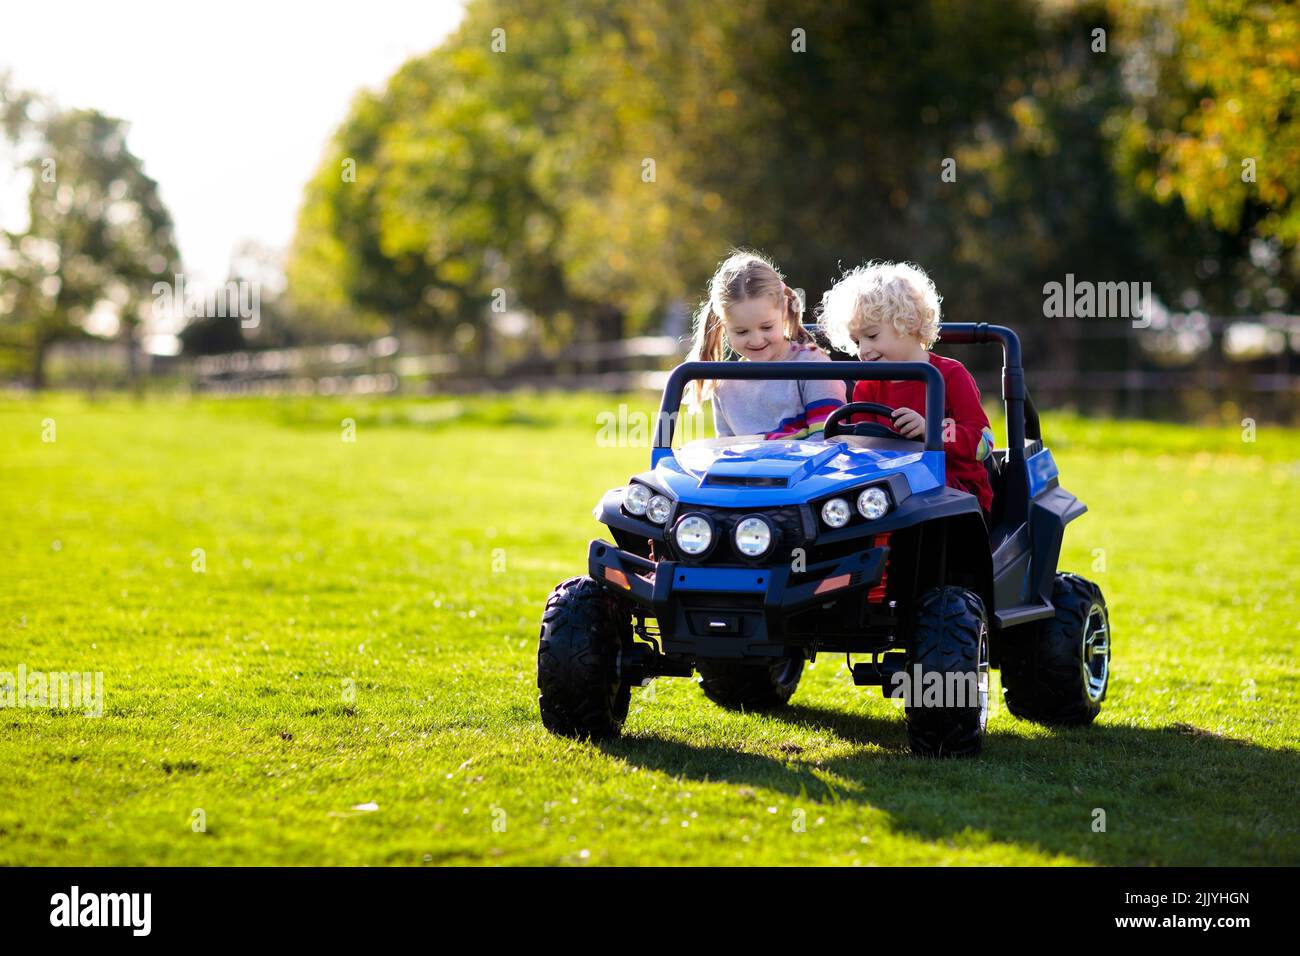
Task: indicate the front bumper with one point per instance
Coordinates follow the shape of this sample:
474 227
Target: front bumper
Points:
732 612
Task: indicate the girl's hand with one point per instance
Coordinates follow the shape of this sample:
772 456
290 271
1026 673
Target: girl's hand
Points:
910 423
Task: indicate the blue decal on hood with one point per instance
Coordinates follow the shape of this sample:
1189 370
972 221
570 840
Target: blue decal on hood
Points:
745 473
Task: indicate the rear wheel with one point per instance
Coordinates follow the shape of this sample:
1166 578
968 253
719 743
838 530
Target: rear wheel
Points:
751 686
947 675
584 628
1058 672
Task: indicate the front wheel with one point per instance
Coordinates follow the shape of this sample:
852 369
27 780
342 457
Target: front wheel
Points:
946 683
584 628
751 686
1058 671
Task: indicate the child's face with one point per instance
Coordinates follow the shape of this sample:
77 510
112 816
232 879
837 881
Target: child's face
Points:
755 329
881 342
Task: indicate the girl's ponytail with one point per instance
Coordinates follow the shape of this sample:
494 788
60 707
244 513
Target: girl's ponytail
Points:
794 328
708 346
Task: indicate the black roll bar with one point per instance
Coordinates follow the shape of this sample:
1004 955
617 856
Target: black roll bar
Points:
806 371
1021 413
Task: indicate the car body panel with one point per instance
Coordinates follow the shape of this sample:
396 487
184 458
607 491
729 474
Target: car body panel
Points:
753 473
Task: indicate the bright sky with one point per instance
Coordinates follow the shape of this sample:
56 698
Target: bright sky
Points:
230 103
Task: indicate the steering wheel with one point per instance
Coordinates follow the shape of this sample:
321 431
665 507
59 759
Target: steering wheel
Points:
833 425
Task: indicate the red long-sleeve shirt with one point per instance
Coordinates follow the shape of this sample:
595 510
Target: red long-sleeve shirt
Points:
971 437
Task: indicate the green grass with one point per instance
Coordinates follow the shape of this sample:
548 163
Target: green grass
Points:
414 563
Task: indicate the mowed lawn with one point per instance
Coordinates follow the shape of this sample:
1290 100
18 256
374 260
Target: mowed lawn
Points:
346 673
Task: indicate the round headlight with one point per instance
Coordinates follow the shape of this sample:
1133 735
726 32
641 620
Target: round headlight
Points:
636 498
836 512
694 534
657 508
873 503
753 537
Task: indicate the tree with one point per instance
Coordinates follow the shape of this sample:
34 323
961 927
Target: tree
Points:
422 209
1215 86
512 164
1208 148
98 235
600 157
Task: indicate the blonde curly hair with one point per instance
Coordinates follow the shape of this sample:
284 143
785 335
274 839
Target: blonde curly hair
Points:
896 292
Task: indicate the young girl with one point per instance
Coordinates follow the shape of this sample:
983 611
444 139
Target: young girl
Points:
751 312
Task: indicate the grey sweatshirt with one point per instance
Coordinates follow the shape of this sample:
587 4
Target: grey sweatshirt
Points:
777 409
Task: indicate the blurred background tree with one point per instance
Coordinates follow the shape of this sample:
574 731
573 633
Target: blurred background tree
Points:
97 235
595 160
1211 134
572 173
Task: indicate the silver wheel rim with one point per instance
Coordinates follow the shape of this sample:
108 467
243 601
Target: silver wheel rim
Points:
1096 652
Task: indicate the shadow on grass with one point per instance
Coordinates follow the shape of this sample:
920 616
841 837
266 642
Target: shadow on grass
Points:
1175 795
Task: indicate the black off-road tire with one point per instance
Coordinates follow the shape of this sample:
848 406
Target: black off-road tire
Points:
751 686
584 627
949 635
1050 674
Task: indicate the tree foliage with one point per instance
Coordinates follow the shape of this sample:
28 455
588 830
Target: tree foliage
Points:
97 232
602 156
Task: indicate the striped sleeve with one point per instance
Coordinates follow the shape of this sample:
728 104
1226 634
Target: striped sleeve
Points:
807 424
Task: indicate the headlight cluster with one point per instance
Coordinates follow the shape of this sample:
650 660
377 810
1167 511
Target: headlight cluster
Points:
873 503
752 536
642 502
695 534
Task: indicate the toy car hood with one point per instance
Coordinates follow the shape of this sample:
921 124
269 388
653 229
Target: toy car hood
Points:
745 471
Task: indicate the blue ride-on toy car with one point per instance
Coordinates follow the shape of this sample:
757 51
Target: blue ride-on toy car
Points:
741 559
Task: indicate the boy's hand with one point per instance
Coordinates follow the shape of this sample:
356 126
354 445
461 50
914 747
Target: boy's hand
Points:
910 423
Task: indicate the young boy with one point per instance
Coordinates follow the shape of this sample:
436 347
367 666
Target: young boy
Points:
889 312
